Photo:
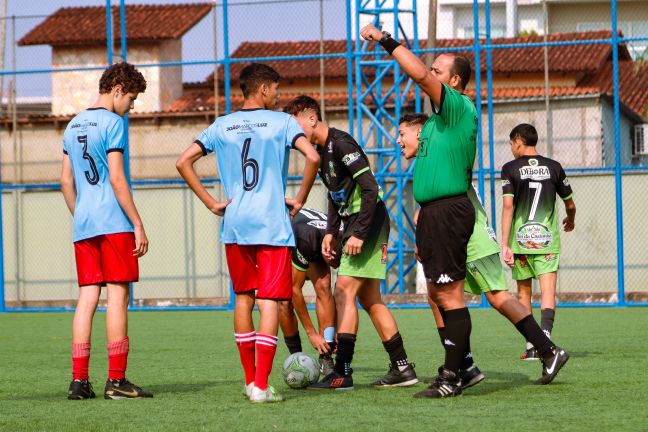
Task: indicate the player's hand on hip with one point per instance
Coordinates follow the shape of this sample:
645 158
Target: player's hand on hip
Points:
353 246
294 206
141 242
568 225
371 33
319 343
507 256
219 207
327 248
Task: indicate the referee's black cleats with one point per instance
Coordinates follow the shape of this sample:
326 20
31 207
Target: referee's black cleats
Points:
124 389
530 355
80 389
397 378
446 384
471 376
552 365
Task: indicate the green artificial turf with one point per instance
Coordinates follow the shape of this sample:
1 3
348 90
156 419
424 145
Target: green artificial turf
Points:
189 360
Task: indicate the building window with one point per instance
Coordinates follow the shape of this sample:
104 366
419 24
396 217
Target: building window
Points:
469 32
629 29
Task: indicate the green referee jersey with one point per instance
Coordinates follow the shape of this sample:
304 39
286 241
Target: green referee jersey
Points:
447 148
483 241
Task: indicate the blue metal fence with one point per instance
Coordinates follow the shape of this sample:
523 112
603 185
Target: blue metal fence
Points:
386 85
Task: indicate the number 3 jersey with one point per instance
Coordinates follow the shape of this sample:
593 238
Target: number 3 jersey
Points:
252 149
533 182
87 140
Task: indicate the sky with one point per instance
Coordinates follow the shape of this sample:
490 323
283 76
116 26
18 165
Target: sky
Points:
249 20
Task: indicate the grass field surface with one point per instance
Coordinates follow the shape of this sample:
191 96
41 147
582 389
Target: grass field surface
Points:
189 360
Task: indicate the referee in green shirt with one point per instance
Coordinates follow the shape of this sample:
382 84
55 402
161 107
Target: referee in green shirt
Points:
442 176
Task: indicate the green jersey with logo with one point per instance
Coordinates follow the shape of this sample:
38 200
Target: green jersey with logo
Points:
447 148
533 182
483 241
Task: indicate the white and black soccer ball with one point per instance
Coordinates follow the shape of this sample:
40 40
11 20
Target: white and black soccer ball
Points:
300 370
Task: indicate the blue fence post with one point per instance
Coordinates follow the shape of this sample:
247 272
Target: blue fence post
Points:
491 138
478 104
349 59
226 57
617 159
124 47
109 33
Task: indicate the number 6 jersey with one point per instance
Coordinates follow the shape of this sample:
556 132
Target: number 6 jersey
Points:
87 140
252 149
533 182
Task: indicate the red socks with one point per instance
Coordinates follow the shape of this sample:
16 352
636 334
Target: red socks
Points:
266 346
117 359
245 343
80 360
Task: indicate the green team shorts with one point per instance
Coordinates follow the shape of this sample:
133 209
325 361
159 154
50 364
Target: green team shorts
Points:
485 274
371 262
529 266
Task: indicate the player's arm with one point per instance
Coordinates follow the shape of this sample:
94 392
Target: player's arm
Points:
185 166
310 171
507 219
318 342
570 220
508 193
333 221
409 63
125 199
368 199
67 184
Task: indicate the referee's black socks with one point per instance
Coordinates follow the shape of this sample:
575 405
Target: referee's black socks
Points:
534 334
457 331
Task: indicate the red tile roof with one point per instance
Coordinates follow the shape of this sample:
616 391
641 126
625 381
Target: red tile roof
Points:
562 58
87 25
633 84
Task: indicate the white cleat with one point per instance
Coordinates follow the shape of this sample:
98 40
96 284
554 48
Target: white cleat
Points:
268 395
247 390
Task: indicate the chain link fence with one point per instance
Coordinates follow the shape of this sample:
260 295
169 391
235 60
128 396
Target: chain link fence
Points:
563 83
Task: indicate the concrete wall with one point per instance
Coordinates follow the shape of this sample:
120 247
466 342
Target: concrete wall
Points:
187 262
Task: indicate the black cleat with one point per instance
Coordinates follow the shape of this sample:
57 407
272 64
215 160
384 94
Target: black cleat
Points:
447 384
530 355
552 365
397 378
124 389
334 381
471 376
326 364
80 389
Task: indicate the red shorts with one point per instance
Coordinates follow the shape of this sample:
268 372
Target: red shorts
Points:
106 258
263 268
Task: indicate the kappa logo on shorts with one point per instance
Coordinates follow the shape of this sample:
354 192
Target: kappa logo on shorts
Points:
383 259
444 278
550 257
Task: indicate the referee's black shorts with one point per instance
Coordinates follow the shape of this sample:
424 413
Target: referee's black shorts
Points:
442 233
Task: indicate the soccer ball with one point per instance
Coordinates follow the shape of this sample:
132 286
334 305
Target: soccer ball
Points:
300 370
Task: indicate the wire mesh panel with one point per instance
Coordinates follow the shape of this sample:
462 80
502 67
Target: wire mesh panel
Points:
552 65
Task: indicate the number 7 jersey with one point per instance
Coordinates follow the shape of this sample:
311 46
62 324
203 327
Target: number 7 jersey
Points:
533 182
87 140
252 149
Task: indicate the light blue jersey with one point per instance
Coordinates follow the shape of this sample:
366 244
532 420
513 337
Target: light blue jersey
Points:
252 149
88 139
